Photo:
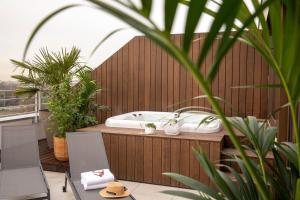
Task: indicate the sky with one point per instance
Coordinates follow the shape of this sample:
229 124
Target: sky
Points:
82 27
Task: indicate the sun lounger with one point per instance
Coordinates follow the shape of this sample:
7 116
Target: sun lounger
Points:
21 174
86 153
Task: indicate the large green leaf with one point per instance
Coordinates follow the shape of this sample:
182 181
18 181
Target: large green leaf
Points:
170 11
250 184
262 21
105 39
297 194
290 152
196 185
227 187
281 179
267 139
222 18
228 43
277 29
147 5
196 8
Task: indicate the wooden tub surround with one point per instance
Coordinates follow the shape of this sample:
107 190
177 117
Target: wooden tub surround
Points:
134 156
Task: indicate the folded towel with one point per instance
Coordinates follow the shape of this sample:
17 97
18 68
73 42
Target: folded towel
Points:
93 187
96 179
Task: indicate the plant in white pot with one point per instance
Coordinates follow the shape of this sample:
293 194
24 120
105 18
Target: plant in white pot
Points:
150 128
172 127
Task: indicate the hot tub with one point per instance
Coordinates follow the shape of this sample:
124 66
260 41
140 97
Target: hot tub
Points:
189 122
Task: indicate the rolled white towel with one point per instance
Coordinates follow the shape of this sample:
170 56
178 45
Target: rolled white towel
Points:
90 178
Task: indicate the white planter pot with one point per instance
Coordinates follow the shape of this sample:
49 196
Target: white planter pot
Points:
149 130
172 129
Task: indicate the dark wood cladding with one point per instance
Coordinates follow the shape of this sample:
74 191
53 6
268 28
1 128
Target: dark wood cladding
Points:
142 76
134 156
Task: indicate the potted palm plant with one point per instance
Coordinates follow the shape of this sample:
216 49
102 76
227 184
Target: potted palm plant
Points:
70 106
42 74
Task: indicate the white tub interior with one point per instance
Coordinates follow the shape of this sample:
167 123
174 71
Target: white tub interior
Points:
189 121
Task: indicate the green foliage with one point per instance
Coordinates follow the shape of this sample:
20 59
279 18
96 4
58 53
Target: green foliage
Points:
63 107
261 136
151 125
278 42
46 70
73 107
85 91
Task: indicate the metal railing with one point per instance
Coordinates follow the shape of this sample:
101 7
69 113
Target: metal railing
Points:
12 106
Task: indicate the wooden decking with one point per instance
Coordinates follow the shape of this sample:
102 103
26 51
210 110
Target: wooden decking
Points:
48 160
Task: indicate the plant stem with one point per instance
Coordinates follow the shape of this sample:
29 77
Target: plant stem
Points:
292 109
202 83
261 163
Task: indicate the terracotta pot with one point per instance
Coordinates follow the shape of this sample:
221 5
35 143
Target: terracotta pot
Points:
60 149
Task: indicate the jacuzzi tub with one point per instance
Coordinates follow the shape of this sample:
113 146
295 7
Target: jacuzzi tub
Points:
189 121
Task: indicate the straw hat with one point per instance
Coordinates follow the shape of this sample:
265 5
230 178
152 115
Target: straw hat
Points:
114 190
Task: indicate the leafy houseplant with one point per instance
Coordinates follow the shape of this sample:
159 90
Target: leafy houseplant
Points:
47 69
277 40
70 109
86 107
43 73
62 107
150 128
151 125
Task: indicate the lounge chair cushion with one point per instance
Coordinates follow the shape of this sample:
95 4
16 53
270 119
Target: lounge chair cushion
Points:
21 183
91 194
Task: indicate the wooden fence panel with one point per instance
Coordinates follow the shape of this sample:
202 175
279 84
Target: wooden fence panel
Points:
142 76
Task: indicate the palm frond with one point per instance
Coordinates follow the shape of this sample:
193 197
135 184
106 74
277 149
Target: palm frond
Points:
26 91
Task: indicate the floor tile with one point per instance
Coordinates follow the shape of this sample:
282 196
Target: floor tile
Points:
140 191
56 181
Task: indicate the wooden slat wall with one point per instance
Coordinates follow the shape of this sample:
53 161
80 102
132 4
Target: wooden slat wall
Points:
144 159
141 76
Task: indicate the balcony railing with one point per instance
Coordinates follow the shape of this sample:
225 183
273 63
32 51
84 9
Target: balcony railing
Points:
13 107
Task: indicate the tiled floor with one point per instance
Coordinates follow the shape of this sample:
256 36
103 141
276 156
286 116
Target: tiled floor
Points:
140 191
